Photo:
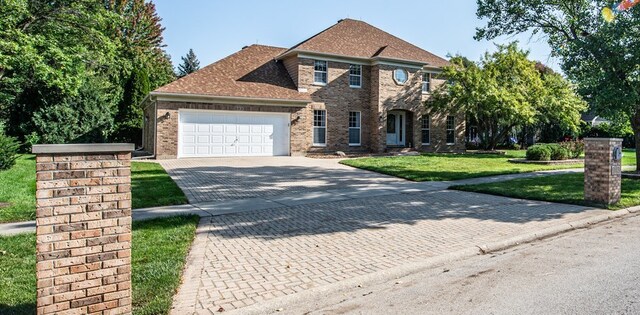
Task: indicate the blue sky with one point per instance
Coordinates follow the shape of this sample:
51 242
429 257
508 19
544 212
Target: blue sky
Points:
216 28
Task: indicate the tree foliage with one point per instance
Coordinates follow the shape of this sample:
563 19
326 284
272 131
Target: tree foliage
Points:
190 64
602 58
64 65
505 90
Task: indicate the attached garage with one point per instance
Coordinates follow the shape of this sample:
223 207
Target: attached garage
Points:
213 133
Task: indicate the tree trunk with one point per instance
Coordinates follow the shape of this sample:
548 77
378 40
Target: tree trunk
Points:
635 124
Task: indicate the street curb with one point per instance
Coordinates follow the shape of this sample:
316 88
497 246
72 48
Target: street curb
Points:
316 294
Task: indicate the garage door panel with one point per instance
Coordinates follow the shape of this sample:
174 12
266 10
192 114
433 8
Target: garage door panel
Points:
217 139
189 128
256 139
215 133
244 129
244 150
230 128
203 128
188 139
229 139
202 150
189 150
216 151
203 139
244 139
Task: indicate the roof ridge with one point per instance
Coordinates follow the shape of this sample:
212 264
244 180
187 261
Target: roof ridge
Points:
270 46
312 37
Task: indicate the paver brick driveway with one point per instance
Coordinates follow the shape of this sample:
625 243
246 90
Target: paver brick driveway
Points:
243 259
217 179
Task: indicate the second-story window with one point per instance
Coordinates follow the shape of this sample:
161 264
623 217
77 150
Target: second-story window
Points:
320 72
355 76
426 82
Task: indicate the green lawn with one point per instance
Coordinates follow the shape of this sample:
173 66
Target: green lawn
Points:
444 167
150 185
566 188
158 255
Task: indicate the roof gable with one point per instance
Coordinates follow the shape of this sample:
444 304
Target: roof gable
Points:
251 72
355 38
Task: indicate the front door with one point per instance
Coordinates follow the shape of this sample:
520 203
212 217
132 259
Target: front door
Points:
396 128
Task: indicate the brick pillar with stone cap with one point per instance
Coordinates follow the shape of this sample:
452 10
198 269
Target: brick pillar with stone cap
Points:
83 228
602 170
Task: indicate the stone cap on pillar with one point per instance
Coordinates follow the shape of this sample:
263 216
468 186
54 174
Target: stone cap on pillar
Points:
82 148
603 139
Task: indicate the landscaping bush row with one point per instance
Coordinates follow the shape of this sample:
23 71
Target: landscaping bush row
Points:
555 151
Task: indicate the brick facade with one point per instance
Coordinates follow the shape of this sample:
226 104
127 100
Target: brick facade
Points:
602 173
378 95
83 230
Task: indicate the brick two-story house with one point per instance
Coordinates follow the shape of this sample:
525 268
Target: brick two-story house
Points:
351 87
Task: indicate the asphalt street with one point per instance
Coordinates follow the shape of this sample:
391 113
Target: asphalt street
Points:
587 271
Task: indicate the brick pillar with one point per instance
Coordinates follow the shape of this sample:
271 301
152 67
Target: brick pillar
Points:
83 228
602 170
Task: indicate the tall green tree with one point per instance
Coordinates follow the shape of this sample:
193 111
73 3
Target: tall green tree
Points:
72 65
143 66
602 58
505 91
190 64
48 51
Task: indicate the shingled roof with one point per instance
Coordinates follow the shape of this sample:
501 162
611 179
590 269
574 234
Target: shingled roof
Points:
359 39
254 71
251 72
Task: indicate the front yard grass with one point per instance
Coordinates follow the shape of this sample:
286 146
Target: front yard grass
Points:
566 188
159 250
151 186
446 167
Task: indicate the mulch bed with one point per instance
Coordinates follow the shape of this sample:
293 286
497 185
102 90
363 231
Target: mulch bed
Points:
487 152
346 156
556 162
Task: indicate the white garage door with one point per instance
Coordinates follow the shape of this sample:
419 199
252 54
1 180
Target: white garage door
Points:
224 133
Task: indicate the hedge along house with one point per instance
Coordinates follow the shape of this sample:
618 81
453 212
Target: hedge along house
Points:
351 87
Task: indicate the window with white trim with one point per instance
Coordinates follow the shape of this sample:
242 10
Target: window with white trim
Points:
320 72
426 82
451 130
355 76
354 128
400 76
320 128
426 130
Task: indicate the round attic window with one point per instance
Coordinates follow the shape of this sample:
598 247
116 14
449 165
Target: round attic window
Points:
400 76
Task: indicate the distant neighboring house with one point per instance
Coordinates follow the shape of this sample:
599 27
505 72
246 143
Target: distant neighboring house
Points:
352 87
593 120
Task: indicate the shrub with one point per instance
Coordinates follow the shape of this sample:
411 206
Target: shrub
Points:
558 152
8 151
575 148
539 152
